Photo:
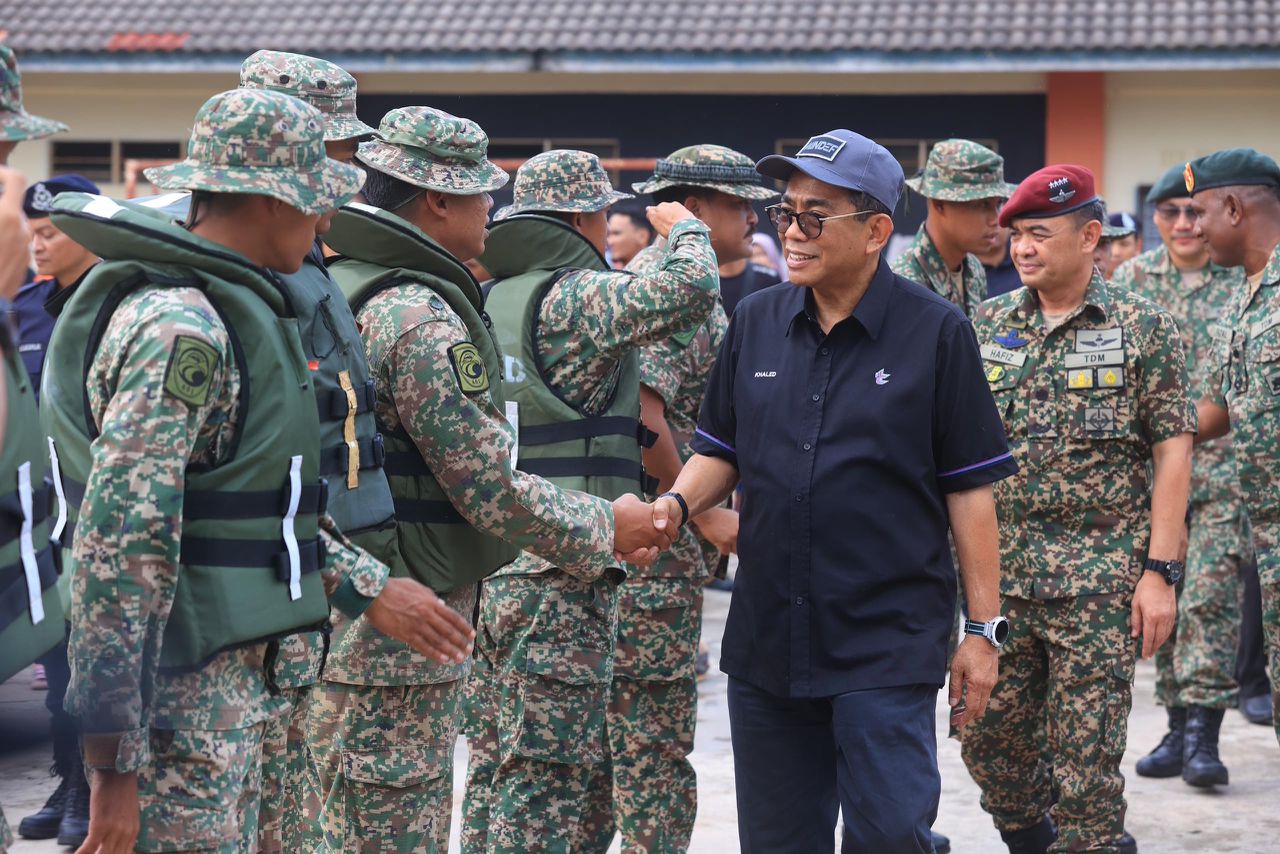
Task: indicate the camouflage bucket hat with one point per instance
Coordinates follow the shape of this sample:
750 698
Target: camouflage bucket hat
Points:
431 149
564 181
958 170
712 166
320 83
266 144
16 124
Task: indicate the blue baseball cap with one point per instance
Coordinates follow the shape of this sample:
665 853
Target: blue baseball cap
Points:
38 200
844 159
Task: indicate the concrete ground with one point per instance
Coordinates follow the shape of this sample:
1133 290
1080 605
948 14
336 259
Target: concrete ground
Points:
1165 816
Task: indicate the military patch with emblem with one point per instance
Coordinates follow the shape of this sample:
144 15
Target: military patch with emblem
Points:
1274 382
469 368
1080 378
189 374
1110 377
1093 340
995 373
1100 419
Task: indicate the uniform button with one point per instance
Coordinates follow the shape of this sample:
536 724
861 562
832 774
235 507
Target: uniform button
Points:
799 600
799 498
808 447
817 397
825 350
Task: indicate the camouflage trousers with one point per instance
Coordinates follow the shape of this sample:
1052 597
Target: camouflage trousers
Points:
290 797
535 719
1197 665
1266 540
1058 715
651 718
383 758
201 791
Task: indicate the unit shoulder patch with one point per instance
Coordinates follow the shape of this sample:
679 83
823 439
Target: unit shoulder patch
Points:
189 374
468 367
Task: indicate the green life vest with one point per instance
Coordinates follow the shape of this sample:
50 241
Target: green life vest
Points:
31 615
434 543
250 551
351 449
598 453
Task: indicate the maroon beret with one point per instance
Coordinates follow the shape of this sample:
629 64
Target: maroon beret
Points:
1053 191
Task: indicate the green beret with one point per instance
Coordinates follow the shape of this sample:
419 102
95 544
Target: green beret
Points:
1172 185
1231 167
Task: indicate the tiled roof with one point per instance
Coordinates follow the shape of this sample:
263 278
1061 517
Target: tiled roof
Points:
698 28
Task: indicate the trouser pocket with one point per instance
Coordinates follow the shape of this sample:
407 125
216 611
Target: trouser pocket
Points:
559 709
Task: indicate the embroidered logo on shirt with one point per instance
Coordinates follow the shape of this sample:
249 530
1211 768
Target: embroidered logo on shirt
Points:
1092 340
189 373
1099 420
882 377
765 375
1010 340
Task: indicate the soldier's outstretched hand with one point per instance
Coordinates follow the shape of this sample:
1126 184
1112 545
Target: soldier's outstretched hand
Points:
664 216
113 813
635 539
411 612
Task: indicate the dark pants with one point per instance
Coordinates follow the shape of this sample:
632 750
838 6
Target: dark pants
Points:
65 728
1251 661
871 753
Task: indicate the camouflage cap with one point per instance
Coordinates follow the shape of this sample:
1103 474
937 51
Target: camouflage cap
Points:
711 166
319 82
562 180
958 170
263 143
431 149
16 124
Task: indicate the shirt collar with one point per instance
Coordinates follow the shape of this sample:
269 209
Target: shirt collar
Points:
1096 298
1271 273
869 312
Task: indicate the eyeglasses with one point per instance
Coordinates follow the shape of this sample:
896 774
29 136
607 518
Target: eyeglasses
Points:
810 223
1172 213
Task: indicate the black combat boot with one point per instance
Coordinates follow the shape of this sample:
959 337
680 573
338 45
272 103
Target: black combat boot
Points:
66 756
1127 844
1031 840
1166 759
1200 763
74 826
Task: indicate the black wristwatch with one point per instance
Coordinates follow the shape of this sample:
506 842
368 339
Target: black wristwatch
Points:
684 508
1170 570
995 630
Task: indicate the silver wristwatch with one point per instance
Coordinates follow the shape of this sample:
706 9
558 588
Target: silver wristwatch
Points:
996 631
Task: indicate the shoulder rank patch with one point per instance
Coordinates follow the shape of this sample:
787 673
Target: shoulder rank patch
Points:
469 368
189 374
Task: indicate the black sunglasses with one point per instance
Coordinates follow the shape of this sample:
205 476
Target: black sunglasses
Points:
810 223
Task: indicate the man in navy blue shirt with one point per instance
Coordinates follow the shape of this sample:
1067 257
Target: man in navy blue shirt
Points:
867 429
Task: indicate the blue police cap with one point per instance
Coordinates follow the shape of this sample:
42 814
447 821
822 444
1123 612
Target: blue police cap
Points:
38 200
844 159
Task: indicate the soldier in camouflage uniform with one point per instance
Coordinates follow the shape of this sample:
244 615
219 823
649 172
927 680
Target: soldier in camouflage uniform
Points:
16 125
653 710
963 183
1236 199
1091 383
538 698
1195 671
383 724
174 691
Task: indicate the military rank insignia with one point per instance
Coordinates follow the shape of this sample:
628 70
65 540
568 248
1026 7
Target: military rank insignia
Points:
189 374
468 367
995 373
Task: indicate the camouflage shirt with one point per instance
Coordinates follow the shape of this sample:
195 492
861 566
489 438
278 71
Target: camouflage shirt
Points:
1199 310
676 369
922 263
590 319
1083 405
466 443
1248 384
127 539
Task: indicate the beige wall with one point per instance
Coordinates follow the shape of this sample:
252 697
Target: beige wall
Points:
1156 120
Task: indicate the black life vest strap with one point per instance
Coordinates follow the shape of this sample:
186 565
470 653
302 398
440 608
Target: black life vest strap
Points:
14 602
11 512
253 504
551 467
587 428
252 554
332 404
336 459
421 511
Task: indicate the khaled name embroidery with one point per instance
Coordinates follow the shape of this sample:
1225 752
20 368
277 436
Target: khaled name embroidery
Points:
1000 355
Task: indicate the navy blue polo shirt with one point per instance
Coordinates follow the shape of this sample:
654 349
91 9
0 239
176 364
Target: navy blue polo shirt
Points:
846 445
33 324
